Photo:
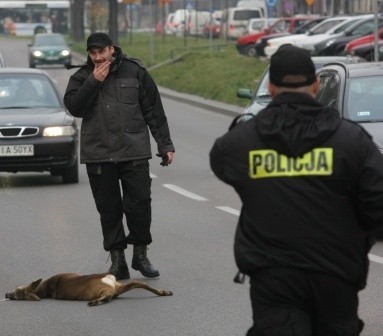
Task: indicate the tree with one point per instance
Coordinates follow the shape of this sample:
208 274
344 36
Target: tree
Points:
77 20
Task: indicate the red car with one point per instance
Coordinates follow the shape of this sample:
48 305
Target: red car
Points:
350 46
212 28
246 43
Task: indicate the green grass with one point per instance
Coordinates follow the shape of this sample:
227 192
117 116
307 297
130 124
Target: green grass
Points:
213 70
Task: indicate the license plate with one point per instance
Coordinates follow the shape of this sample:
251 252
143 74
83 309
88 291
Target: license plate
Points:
17 150
52 58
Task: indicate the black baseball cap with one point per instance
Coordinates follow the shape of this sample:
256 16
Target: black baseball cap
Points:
291 61
99 40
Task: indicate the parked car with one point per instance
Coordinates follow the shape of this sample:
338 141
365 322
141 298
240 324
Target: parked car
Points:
367 51
196 22
325 28
235 20
362 40
304 28
246 44
213 28
37 133
310 42
356 90
335 45
169 26
258 24
261 96
49 48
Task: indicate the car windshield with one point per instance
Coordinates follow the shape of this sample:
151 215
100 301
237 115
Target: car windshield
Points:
20 91
325 26
365 99
49 39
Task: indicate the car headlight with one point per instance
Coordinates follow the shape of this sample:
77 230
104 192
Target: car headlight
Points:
58 131
329 43
37 53
65 53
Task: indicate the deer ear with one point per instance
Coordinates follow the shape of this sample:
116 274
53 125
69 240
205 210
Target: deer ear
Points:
34 284
32 297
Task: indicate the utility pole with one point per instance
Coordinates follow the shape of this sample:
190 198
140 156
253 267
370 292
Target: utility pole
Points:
113 21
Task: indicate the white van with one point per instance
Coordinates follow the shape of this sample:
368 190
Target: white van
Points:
181 16
236 19
197 21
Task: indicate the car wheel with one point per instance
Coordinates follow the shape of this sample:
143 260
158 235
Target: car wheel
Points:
70 174
251 51
370 57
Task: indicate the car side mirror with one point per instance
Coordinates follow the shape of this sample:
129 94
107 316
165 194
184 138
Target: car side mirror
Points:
244 93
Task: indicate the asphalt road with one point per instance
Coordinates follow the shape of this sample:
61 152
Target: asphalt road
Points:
47 228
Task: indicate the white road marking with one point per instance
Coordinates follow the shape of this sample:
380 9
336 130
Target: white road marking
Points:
229 210
235 212
232 211
152 175
184 192
375 258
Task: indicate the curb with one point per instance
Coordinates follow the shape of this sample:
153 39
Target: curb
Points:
211 105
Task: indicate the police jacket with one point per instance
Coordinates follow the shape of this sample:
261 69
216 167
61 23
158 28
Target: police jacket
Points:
311 185
118 113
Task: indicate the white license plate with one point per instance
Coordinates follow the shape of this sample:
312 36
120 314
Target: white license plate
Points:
17 150
52 58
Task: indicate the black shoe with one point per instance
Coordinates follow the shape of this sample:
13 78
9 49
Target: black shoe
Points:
119 266
140 262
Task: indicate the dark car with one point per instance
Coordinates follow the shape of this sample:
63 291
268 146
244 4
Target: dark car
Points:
261 97
304 28
37 133
367 51
49 48
335 45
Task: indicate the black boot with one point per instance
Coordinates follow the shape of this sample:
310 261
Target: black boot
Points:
140 262
119 266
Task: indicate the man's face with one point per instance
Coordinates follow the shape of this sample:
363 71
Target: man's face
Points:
101 55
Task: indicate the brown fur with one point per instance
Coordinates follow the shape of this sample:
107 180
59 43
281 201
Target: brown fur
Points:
72 286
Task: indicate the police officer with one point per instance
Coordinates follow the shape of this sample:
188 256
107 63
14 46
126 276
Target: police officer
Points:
311 185
119 104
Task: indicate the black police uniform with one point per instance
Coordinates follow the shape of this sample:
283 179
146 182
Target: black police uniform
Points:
311 185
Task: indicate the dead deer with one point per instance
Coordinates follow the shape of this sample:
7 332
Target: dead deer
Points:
95 288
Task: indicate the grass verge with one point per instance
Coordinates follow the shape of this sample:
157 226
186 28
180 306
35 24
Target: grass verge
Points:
212 69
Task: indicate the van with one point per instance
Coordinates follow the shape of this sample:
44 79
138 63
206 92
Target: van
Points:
197 21
254 4
181 16
235 20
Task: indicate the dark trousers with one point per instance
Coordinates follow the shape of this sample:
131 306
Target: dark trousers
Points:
290 302
122 188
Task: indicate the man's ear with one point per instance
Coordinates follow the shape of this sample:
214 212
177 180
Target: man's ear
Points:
272 89
316 86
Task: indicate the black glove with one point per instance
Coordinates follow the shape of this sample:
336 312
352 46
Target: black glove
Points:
165 159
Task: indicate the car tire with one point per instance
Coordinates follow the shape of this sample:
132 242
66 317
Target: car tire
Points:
70 174
250 50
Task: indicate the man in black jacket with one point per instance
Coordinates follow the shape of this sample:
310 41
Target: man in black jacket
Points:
311 186
119 103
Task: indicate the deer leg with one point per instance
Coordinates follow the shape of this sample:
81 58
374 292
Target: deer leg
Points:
137 284
100 300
